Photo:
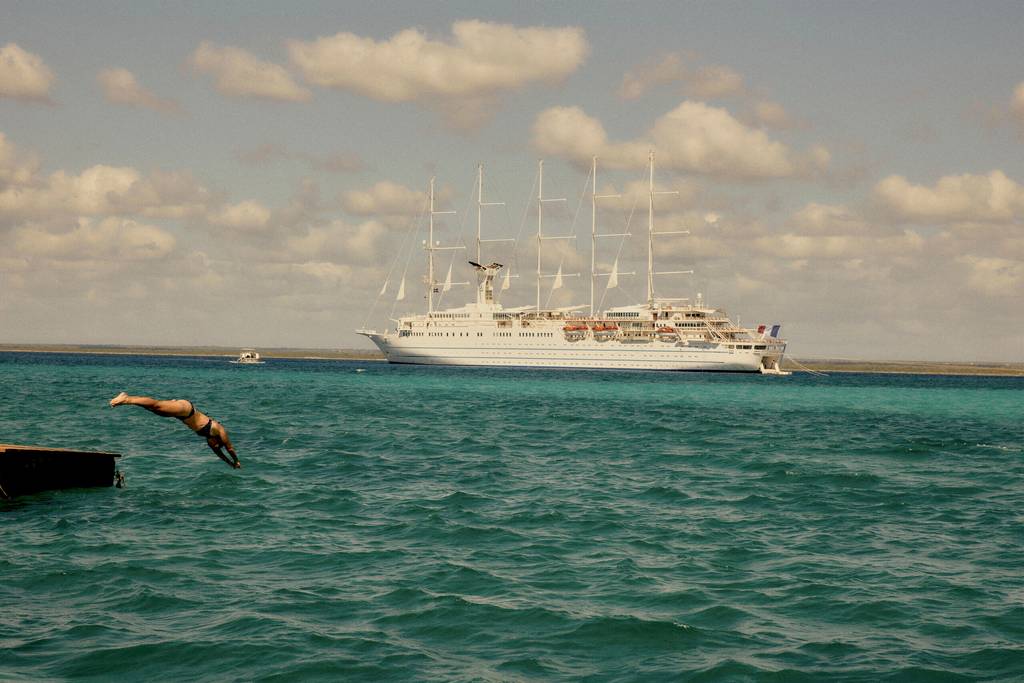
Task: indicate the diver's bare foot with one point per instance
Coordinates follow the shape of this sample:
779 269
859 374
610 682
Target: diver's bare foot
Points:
118 400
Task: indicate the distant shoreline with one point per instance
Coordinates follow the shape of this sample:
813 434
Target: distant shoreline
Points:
800 364
192 351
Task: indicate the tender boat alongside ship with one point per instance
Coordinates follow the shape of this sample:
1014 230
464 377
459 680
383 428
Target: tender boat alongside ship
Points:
658 334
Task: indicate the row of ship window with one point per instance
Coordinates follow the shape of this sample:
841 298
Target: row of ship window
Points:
410 333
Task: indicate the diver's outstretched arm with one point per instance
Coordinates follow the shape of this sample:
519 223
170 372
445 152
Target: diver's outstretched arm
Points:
220 454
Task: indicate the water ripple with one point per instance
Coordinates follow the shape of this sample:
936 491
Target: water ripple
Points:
446 523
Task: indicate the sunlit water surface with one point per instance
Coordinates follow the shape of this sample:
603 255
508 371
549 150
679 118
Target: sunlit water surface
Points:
411 523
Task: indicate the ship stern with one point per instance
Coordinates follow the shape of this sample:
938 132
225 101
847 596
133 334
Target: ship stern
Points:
771 361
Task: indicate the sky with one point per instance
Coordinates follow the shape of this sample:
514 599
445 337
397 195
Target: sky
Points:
255 173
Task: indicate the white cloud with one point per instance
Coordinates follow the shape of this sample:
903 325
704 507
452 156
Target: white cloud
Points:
771 115
167 194
994 276
697 137
247 215
107 239
23 75
709 81
334 162
571 133
15 168
669 69
339 241
101 190
992 197
120 87
240 74
1017 107
828 219
794 246
481 58
325 271
385 198
96 190
1012 245
714 81
693 137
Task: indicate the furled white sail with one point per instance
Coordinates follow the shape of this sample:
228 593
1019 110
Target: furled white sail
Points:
507 282
613 279
401 291
384 288
448 281
558 279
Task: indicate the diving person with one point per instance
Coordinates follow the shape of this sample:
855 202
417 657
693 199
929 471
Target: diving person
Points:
205 426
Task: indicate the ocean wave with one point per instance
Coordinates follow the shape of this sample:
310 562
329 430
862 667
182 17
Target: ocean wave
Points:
628 527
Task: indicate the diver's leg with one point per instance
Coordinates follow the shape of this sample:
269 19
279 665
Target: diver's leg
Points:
173 408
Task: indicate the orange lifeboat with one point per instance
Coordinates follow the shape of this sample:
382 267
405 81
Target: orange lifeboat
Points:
667 334
575 331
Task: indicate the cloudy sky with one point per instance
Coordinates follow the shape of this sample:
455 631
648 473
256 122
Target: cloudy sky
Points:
251 173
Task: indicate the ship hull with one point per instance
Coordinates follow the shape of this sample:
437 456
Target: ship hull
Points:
588 354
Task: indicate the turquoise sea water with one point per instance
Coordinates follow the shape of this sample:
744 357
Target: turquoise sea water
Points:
411 523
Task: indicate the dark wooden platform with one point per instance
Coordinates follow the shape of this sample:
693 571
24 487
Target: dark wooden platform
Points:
30 469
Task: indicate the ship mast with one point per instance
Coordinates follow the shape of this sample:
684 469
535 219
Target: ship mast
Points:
430 252
594 196
651 233
593 229
480 203
431 248
540 224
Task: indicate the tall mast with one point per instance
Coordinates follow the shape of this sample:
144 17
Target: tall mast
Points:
479 205
593 229
594 196
430 252
650 232
431 248
540 226
540 222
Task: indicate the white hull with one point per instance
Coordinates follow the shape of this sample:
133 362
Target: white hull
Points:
552 353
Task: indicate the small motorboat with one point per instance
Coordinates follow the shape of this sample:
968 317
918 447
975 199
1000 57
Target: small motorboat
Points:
248 357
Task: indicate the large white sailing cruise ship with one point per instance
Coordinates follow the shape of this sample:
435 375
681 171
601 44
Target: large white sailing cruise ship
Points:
658 334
